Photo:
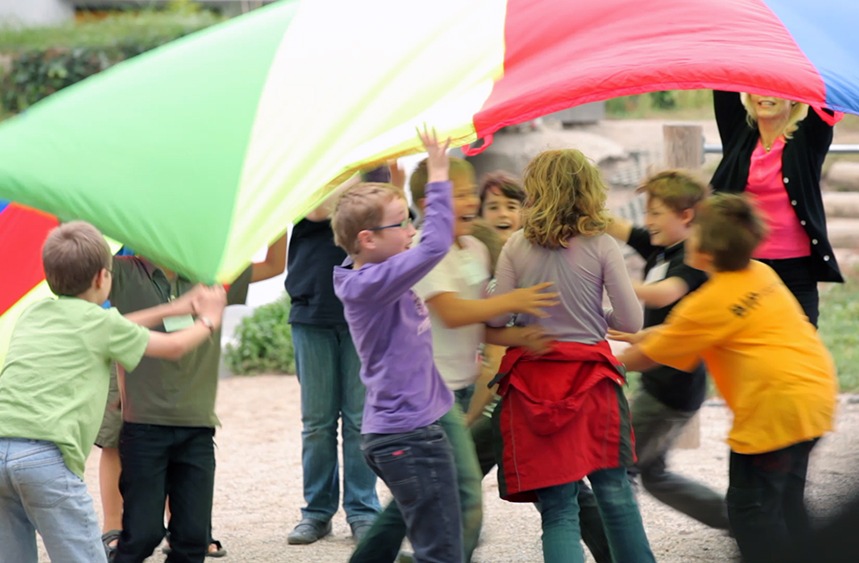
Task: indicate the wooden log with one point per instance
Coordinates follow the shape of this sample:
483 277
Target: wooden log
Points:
684 148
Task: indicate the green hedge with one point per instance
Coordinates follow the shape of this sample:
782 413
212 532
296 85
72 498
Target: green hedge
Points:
264 342
42 61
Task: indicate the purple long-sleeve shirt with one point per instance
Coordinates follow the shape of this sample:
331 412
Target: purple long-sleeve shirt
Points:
390 326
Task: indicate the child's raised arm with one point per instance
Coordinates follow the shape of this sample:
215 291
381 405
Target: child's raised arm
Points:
274 263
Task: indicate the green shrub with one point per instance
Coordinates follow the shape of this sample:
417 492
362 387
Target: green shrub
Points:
264 342
839 308
42 61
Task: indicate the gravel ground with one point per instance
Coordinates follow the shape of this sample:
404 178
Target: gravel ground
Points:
258 487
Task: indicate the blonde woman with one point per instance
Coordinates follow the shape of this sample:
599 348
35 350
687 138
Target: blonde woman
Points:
565 411
773 151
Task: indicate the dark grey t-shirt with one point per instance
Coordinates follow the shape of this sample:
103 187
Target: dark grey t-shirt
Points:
180 393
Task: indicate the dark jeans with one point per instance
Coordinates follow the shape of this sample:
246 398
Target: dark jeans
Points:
796 275
158 461
590 522
766 503
418 467
657 427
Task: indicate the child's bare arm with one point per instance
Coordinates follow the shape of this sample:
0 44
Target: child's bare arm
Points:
274 263
635 360
153 316
661 293
483 394
619 228
209 304
532 337
456 312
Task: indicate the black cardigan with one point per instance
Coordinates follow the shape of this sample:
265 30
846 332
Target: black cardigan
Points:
802 162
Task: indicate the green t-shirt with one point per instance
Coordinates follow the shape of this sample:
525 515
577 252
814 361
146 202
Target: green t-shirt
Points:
53 386
163 392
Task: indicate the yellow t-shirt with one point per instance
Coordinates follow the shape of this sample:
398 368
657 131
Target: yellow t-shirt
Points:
766 359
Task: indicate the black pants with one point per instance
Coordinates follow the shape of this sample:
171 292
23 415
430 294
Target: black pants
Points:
158 461
766 503
796 275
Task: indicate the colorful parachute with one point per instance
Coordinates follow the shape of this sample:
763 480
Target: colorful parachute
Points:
201 152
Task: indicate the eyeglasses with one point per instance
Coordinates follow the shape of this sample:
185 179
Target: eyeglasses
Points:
404 224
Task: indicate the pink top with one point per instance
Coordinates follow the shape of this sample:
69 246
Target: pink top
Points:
786 237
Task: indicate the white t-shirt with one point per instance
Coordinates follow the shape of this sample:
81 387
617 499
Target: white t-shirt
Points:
465 272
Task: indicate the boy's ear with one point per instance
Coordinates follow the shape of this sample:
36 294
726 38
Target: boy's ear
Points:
687 215
366 240
100 278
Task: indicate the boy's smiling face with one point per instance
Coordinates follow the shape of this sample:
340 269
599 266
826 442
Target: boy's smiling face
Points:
666 226
465 203
379 244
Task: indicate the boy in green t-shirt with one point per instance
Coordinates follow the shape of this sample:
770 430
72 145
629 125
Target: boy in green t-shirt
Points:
53 388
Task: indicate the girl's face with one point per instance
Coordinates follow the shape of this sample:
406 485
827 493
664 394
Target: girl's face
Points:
504 214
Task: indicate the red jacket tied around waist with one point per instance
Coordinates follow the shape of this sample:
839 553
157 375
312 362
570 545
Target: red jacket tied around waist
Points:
562 416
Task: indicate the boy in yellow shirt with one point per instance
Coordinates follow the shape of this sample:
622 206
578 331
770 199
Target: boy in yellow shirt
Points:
767 361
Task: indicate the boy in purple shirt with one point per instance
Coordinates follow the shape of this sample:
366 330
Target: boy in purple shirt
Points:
390 326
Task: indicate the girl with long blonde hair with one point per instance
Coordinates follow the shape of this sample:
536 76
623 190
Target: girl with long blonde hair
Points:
565 411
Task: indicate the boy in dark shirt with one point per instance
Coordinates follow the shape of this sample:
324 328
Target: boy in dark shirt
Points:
668 398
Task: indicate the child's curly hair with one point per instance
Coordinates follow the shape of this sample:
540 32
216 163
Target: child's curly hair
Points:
566 197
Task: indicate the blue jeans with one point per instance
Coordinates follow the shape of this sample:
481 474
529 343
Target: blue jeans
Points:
418 467
38 492
158 461
328 372
383 541
559 508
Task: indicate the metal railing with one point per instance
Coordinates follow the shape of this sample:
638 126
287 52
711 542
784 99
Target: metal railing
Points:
712 148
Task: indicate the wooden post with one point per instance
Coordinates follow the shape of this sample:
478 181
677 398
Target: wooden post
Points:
684 148
684 145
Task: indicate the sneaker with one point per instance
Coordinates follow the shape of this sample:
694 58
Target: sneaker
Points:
360 529
308 531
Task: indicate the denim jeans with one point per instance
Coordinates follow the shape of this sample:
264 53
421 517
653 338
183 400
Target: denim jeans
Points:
158 461
328 372
559 508
589 518
38 492
418 467
383 541
657 428
766 503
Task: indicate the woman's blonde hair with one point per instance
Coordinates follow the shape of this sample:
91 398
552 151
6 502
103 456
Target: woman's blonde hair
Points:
565 197
798 112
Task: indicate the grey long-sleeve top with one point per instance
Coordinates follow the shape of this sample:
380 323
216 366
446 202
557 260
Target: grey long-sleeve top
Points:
581 273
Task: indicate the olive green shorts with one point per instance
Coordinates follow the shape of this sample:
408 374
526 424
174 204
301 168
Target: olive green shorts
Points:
108 434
